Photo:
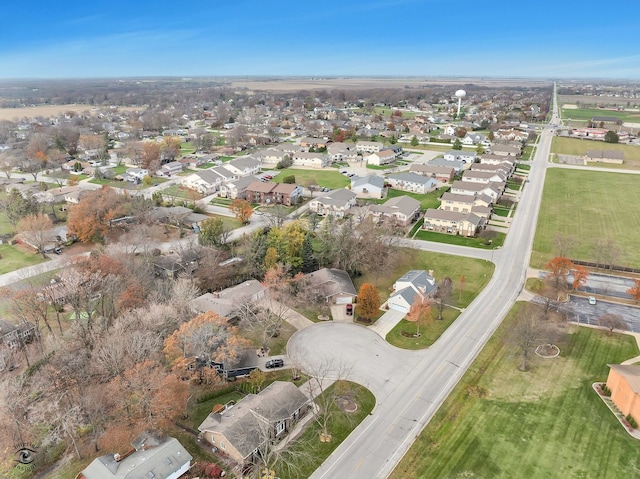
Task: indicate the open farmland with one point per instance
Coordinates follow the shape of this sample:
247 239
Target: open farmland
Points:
52 110
500 422
594 101
587 114
588 206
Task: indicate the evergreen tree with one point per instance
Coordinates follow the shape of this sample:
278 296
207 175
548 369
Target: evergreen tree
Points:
309 261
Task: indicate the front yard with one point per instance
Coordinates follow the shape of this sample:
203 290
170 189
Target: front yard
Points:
497 239
16 257
328 178
502 423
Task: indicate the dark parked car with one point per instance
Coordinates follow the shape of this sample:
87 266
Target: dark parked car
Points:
350 309
274 363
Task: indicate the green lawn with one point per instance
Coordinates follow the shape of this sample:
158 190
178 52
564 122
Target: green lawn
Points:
587 114
526 153
496 241
587 206
476 272
340 426
329 179
429 200
429 331
16 257
502 423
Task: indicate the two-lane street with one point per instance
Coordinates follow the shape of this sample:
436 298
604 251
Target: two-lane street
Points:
409 395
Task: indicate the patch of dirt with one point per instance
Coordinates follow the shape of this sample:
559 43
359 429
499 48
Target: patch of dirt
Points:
346 404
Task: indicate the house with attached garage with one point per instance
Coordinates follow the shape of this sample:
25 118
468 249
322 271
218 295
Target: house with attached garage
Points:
413 182
342 152
226 303
237 188
484 176
493 190
152 457
383 157
205 181
244 166
334 203
245 430
413 283
334 284
170 169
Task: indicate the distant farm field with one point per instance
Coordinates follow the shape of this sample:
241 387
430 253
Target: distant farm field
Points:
588 206
587 114
51 110
593 101
502 423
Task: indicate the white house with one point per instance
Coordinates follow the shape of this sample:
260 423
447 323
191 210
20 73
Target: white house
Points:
466 156
413 283
138 173
204 182
409 181
335 203
383 157
244 166
369 146
370 186
315 160
170 169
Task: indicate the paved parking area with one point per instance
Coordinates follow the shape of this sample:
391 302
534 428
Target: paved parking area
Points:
579 310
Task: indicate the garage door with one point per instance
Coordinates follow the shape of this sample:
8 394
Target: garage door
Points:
344 299
398 307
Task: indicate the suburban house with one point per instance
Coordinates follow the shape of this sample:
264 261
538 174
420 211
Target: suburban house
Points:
270 193
444 174
238 188
226 303
511 134
401 210
494 190
369 146
273 155
624 383
69 194
313 142
413 283
371 186
412 182
176 216
12 335
170 169
334 203
314 160
241 430
192 161
507 161
452 222
151 457
244 166
137 173
457 165
171 265
473 138
205 181
466 156
506 169
342 152
382 157
478 204
483 176
506 150
334 284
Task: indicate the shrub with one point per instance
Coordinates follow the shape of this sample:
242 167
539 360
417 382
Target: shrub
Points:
605 390
289 179
632 422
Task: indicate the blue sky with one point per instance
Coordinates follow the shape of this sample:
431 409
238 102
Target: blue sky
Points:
560 39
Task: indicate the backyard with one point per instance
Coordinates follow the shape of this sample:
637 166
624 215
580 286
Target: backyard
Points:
428 200
327 178
588 206
500 422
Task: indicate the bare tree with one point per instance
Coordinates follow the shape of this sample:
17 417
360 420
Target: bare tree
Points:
613 321
564 244
526 332
443 295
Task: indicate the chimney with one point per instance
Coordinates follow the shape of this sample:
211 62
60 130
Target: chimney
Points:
431 273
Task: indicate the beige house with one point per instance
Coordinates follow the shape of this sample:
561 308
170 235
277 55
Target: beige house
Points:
383 157
451 222
243 431
334 203
369 146
401 210
444 174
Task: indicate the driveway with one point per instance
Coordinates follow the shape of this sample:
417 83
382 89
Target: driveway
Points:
387 322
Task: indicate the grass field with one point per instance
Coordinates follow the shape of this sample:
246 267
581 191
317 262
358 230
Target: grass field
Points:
587 114
476 272
477 242
577 147
588 205
429 200
546 423
429 331
329 179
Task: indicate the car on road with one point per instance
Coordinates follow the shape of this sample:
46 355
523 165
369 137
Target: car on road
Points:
274 363
592 300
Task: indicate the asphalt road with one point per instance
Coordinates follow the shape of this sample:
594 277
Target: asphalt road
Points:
410 386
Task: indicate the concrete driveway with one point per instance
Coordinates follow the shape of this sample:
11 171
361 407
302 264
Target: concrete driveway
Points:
387 322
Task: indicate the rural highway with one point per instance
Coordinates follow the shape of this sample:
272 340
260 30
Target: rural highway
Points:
410 386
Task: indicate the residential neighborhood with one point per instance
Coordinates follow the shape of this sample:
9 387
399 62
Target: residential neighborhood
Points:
237 281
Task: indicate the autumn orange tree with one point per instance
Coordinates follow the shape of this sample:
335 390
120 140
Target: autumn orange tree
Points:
89 219
242 210
634 290
580 276
208 337
420 311
558 276
368 300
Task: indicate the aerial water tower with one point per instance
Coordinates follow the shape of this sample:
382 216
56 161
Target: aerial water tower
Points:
460 94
